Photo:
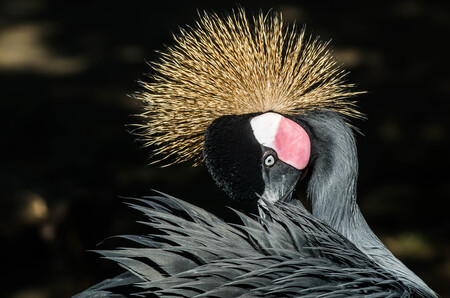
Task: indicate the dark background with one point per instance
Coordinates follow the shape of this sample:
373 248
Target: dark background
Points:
66 156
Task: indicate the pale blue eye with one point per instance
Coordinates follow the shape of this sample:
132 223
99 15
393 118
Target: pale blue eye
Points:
270 160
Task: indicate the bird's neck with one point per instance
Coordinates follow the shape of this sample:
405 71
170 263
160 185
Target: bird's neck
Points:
332 186
332 191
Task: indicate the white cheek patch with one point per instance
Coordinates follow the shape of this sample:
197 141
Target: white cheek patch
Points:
287 138
265 128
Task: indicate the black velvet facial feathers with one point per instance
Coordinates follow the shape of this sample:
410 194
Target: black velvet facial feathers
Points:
233 157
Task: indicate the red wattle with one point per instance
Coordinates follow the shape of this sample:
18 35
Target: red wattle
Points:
292 144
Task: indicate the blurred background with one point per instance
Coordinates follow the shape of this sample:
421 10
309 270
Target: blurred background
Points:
67 157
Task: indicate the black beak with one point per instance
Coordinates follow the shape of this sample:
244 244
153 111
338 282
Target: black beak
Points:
279 182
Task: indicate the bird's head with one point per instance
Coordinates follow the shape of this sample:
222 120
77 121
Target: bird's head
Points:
257 155
234 89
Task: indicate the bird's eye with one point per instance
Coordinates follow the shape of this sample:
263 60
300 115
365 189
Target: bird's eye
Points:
269 160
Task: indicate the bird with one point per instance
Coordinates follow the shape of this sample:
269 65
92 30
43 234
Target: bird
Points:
263 105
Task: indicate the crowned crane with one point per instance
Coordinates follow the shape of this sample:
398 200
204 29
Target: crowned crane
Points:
264 104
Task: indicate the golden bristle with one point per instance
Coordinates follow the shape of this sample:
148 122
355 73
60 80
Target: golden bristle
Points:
236 65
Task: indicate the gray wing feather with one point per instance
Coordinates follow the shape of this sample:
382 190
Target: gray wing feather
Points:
196 254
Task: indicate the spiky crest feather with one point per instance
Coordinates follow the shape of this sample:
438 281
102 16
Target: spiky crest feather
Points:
236 65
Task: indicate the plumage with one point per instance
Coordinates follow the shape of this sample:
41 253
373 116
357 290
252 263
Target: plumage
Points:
206 90
232 66
199 255
332 191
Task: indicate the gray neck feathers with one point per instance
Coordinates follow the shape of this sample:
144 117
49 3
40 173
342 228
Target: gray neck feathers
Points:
332 191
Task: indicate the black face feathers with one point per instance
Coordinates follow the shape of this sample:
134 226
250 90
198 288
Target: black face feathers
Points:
233 157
